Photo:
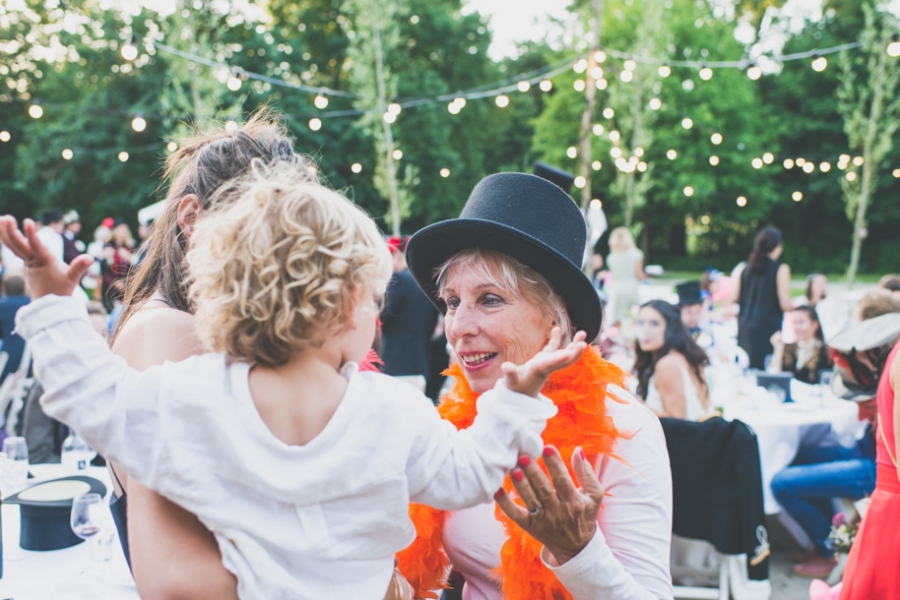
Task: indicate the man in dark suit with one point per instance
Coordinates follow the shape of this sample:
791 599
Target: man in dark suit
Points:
408 319
15 298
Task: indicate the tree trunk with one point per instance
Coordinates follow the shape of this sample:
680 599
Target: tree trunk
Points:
388 137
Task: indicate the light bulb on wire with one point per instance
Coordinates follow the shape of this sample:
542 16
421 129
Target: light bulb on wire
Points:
394 108
234 81
655 104
321 101
546 85
523 86
502 101
4 136
626 76
893 48
315 124
35 111
129 50
664 70
706 73
138 123
67 154
754 72
716 138
819 64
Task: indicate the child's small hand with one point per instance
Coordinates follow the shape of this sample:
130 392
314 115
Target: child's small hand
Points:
530 377
44 273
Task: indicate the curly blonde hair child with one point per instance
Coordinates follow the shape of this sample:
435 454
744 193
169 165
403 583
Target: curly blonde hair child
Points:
278 269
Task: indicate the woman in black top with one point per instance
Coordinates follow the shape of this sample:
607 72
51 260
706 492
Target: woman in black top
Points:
762 289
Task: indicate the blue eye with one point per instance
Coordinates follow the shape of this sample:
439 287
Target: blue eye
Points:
452 303
492 300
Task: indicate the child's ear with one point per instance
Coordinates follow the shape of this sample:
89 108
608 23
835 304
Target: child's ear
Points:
189 209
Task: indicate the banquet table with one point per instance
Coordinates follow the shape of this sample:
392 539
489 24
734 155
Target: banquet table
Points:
70 573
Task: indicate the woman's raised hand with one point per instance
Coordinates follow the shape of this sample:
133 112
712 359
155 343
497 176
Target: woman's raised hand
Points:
44 273
558 514
529 378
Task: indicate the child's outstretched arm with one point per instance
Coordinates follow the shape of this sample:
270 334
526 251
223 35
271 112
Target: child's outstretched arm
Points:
453 469
86 386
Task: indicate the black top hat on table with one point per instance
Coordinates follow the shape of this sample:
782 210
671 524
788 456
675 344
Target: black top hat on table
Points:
45 509
526 217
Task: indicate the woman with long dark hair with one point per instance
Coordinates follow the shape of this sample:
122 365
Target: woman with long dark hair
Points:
763 291
670 366
809 354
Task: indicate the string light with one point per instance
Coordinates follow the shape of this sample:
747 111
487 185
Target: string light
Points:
809 167
788 163
893 49
819 63
858 161
642 166
896 173
580 66
356 168
546 85
35 111
579 85
630 65
706 73
597 73
616 152
4 136
608 113
844 158
687 122
825 167
389 118
800 161
394 108
639 152
664 70
67 154
456 105
688 191
123 156
600 56
596 204
129 50
597 165
754 72
321 101
571 151
580 182
671 154
523 86
851 175
757 163
797 196
445 172
601 84
626 76
768 158
502 100
398 154
714 160
315 123
614 136
655 104
597 129
234 82
741 201
139 124
716 138
171 146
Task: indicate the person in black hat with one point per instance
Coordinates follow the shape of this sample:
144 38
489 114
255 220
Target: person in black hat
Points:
690 303
504 274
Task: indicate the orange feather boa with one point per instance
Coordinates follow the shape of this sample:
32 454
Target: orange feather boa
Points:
579 392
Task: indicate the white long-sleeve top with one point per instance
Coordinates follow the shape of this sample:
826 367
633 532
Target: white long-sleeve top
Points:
628 558
322 520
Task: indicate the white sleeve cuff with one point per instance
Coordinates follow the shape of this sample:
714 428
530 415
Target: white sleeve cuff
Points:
592 573
46 312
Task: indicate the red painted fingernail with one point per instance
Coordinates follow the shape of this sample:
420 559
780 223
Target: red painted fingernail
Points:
498 494
524 461
581 452
518 475
548 451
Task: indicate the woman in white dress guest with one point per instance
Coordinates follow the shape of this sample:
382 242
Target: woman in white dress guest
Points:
670 366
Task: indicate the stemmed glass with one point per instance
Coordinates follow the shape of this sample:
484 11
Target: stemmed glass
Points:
89 521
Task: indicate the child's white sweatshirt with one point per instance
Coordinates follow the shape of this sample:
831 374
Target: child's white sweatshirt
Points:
318 521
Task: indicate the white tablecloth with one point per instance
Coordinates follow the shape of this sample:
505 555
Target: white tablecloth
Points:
62 574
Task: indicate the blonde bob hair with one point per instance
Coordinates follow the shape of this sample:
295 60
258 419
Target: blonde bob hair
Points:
620 240
505 272
276 269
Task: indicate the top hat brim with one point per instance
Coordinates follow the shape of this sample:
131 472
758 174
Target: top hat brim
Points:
96 487
846 390
434 245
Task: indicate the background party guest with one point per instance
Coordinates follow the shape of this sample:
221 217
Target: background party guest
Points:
15 297
806 357
626 265
690 304
877 302
116 265
670 366
763 291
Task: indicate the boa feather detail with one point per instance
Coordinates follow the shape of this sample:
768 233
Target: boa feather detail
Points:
579 392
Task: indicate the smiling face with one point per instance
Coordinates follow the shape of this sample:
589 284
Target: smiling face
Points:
487 325
651 329
804 327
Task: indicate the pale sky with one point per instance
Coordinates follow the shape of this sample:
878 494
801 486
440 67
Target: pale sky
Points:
517 20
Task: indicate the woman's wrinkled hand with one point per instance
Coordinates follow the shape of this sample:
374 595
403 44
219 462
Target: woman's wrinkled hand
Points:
529 378
44 273
558 514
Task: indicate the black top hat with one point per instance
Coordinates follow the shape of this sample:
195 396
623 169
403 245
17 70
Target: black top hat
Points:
563 179
689 293
45 518
526 217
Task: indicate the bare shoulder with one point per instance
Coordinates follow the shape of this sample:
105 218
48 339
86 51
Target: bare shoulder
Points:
669 364
895 372
153 336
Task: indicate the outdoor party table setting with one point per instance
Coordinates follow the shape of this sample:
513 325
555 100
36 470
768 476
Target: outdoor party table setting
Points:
91 568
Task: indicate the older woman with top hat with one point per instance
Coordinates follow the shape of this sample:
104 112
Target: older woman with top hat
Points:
591 518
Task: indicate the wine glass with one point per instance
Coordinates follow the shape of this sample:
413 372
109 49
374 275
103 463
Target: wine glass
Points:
75 454
16 450
89 522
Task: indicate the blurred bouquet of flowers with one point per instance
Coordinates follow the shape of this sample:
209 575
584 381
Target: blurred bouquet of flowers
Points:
843 532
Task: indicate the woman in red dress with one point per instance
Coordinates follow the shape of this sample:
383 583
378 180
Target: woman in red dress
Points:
872 567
